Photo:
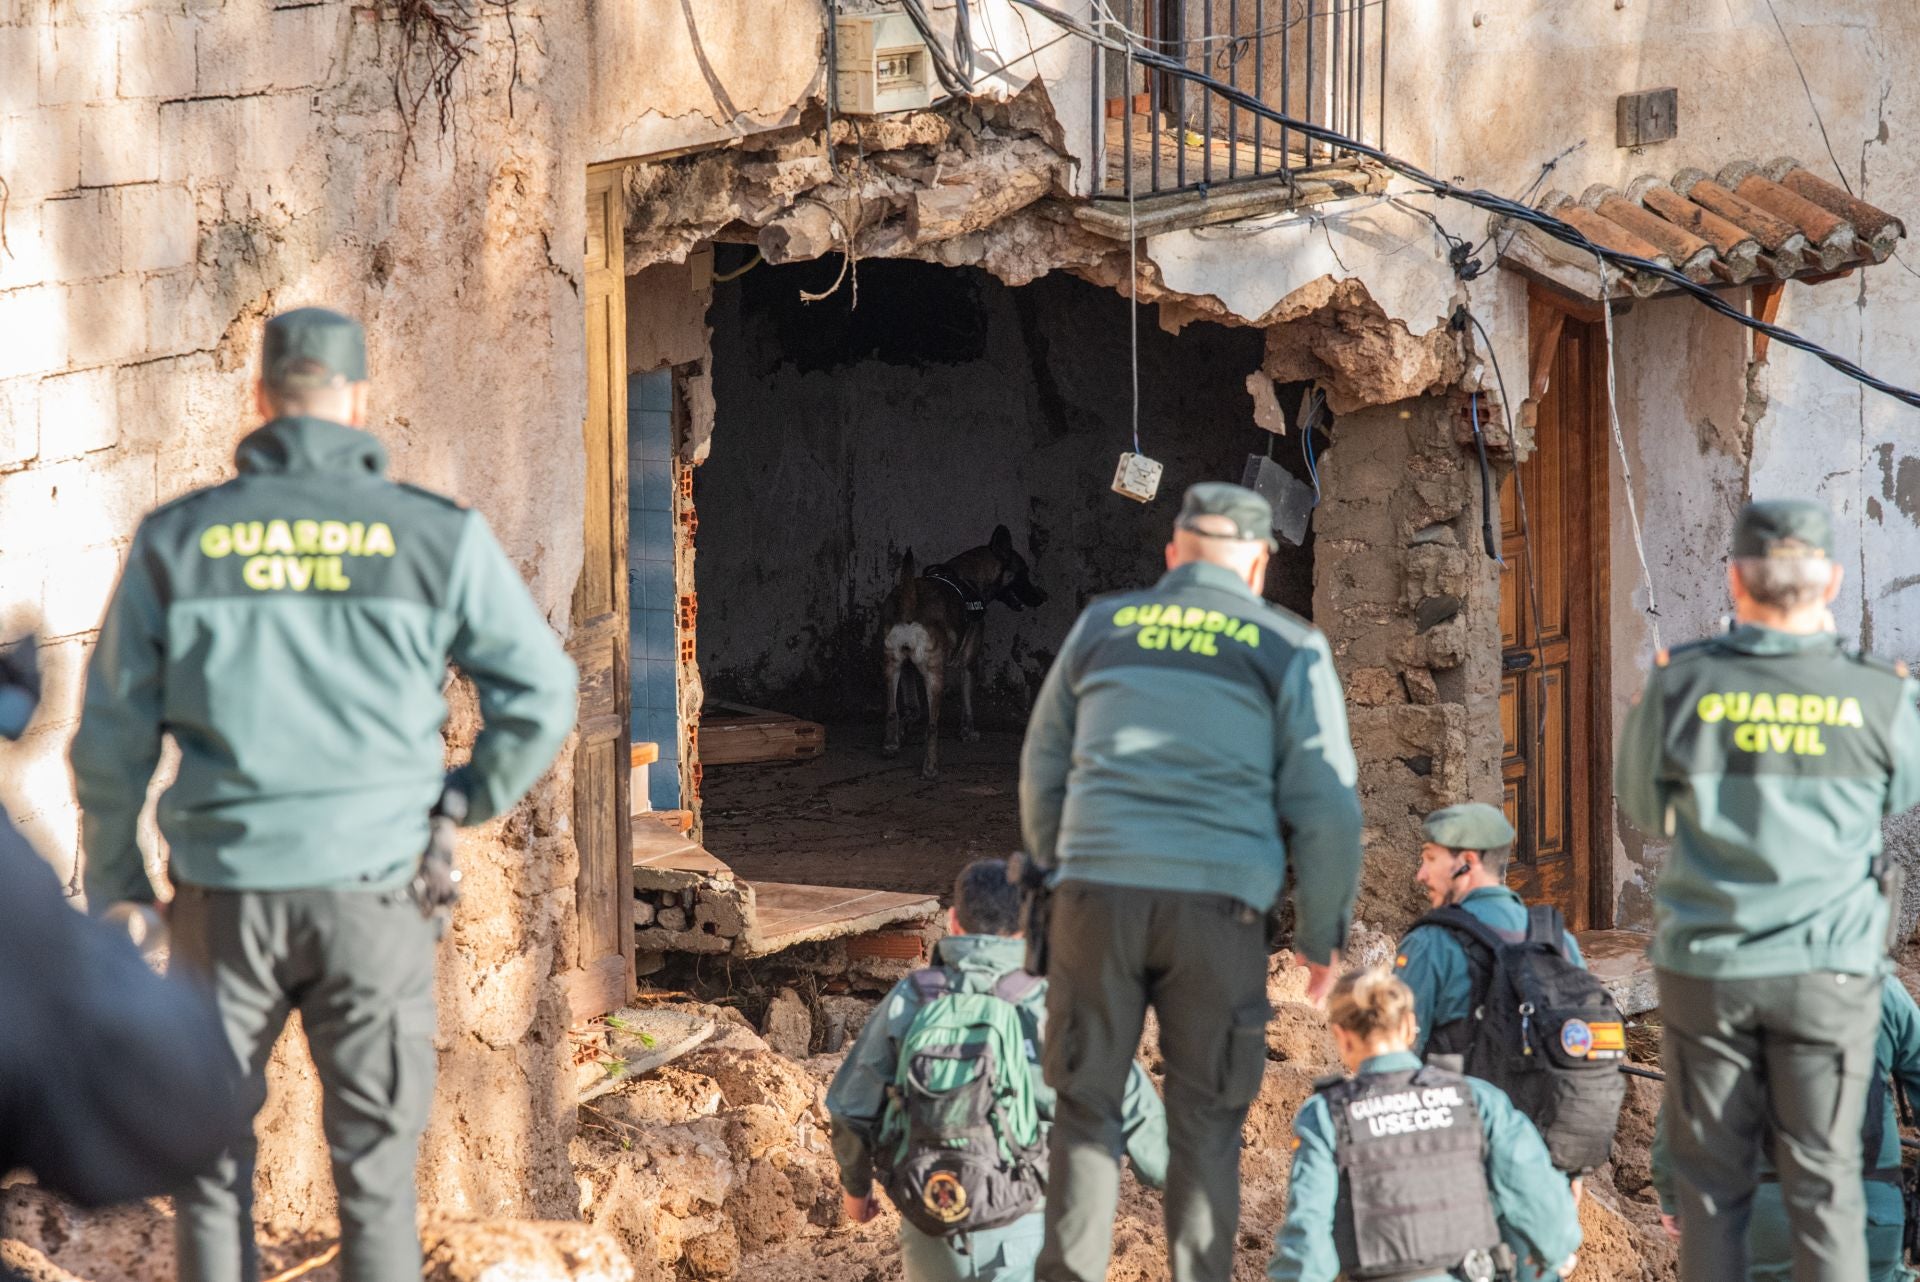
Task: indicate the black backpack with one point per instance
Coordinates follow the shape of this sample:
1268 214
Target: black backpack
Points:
1543 1030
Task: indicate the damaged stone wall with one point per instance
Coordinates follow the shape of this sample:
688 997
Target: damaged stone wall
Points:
1411 610
175 172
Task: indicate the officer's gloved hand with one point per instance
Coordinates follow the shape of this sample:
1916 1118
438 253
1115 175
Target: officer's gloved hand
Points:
436 886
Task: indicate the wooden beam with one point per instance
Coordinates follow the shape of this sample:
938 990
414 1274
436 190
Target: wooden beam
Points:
1546 317
1766 306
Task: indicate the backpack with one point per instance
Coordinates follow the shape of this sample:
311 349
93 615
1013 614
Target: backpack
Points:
1543 1030
960 1147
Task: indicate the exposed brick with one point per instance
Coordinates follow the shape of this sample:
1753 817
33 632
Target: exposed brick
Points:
197 139
76 62
74 598
160 228
19 421
40 153
35 323
181 313
120 143
81 234
78 414
105 322
155 55
86 502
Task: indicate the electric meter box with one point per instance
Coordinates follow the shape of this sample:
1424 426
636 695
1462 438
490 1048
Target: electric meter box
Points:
882 64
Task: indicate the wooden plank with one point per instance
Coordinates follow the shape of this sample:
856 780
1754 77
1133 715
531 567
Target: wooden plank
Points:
787 914
603 898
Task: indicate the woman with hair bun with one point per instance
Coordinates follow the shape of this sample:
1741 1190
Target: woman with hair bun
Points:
1405 1173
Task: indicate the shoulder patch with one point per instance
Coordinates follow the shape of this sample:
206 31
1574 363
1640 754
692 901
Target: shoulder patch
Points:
435 495
1690 650
1661 658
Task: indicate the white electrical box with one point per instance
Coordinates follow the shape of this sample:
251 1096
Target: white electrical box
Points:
881 64
1137 477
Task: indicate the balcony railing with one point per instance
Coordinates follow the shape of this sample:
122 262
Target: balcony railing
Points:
1320 61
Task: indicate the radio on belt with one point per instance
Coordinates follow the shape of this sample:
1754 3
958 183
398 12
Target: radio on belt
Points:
1137 477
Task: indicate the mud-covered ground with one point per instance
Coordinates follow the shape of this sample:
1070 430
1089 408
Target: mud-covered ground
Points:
851 817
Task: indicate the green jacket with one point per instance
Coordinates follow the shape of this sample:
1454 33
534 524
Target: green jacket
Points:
291 630
1531 1200
1896 1054
1433 962
1188 737
1770 759
857 1100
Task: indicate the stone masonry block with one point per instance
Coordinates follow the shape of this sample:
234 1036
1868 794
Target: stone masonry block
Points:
80 234
82 503
29 260
19 57
181 313
63 682
234 51
105 321
75 596
35 323
38 782
79 414
198 139
76 62
40 152
55 837
160 227
275 128
120 143
155 55
307 42
19 422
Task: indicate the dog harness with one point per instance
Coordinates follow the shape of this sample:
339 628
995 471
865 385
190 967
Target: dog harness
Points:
974 604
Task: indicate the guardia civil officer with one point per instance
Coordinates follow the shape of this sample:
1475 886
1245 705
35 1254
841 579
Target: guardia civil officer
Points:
114 1083
1769 757
1409 1173
1189 738
871 1099
1463 862
291 630
1896 1068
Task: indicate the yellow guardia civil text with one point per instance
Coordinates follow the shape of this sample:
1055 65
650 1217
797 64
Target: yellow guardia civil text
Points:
1767 721
298 555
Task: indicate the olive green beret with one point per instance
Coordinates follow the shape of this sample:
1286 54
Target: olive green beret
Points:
1472 826
1783 528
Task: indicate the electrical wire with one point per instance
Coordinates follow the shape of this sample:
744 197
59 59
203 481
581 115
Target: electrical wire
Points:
953 67
1626 473
1133 287
1482 199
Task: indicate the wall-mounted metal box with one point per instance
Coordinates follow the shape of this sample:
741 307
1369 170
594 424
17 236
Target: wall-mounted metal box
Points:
881 64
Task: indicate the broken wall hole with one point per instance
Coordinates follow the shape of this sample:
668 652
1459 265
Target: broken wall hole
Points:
941 406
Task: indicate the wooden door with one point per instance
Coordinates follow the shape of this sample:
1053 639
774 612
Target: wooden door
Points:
1552 625
603 967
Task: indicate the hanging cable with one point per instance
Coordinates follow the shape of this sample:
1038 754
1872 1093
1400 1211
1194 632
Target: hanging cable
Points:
1486 487
953 67
1133 283
1626 473
1477 197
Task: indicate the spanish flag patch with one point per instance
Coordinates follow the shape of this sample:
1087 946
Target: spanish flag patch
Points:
1609 1039
1400 962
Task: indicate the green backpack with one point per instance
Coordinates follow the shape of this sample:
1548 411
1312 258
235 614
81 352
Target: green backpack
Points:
960 1147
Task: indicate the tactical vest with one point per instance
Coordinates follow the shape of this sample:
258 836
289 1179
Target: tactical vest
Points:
1414 1199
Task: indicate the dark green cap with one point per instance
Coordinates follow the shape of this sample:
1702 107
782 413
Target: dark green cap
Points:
1252 516
313 347
1472 826
1796 529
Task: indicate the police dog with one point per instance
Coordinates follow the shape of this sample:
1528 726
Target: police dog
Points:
934 619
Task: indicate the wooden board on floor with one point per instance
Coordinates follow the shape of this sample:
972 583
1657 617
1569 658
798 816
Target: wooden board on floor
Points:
787 914
735 734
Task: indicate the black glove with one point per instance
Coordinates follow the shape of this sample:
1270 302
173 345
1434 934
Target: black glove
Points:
436 886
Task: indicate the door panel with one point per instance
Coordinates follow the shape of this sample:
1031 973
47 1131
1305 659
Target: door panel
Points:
1550 617
603 896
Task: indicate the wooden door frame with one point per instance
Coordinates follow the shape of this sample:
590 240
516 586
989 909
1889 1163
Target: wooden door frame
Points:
1590 606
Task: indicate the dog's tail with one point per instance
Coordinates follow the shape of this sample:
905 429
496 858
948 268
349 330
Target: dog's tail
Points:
908 581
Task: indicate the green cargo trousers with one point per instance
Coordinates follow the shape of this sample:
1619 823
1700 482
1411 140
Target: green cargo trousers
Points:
1789 1056
1201 961
358 966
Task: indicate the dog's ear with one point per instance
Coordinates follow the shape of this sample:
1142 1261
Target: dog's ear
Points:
1001 543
